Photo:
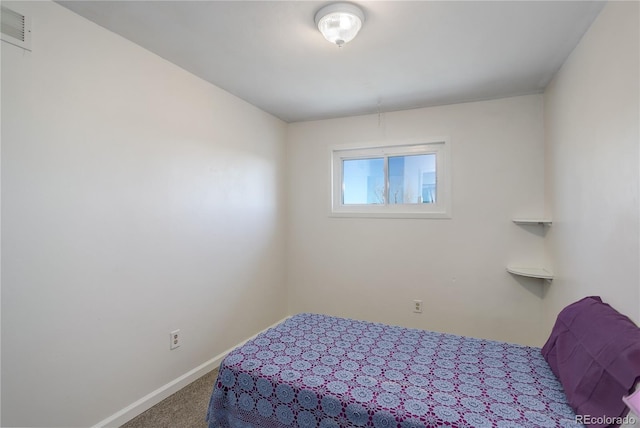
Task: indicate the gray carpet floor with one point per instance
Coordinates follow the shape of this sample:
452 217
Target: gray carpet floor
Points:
186 408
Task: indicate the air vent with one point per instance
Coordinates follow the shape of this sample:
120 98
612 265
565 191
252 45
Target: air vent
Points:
15 28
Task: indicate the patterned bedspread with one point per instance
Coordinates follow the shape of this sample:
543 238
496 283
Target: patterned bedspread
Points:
320 371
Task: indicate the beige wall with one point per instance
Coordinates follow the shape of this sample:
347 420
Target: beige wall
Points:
591 132
373 268
136 199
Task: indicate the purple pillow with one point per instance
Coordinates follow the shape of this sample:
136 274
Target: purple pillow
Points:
595 353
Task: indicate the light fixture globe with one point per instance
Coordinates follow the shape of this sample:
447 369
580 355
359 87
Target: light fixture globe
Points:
339 23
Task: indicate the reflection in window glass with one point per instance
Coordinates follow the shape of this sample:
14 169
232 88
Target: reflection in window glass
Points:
412 179
363 181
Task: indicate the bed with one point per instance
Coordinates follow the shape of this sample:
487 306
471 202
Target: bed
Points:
321 371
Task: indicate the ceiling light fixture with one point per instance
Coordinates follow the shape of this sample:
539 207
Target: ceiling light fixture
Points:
339 22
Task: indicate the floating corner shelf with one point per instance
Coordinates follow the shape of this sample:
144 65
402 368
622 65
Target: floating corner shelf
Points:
540 221
531 272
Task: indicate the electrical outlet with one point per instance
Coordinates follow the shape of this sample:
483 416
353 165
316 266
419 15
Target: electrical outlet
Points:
175 339
417 306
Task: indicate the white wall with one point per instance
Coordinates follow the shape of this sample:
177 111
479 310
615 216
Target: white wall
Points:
137 199
373 268
591 131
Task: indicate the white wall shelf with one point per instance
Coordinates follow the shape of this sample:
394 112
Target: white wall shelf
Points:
540 221
531 272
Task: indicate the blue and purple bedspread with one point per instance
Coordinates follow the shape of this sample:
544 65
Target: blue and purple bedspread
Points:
320 371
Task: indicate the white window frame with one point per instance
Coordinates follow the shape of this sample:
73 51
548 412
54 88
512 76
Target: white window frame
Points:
441 147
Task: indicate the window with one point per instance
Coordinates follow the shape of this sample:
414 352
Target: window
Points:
405 179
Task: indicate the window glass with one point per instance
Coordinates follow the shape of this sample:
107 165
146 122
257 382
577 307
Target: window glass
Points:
412 179
363 181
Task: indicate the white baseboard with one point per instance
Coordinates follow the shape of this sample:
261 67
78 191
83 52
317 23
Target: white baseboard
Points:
134 409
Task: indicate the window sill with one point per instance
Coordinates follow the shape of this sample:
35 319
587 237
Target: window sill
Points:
419 215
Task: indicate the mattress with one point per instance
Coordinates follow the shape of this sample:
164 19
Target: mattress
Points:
320 371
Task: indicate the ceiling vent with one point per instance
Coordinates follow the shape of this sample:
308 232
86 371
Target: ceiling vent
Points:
15 28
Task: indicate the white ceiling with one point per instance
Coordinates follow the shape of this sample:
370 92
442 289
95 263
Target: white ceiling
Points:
408 54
